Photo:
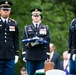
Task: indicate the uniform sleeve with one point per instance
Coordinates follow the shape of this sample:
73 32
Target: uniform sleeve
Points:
24 46
47 38
16 39
69 40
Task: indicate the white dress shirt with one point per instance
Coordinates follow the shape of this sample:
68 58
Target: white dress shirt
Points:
4 19
35 24
66 64
51 54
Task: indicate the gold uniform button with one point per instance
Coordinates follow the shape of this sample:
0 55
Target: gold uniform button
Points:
5 29
5 36
5 40
5 33
36 32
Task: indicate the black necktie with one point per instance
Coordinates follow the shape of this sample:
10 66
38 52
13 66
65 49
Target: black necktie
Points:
36 26
5 22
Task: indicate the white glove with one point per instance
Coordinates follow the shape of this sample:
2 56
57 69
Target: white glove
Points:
36 37
73 57
24 59
69 56
16 59
34 43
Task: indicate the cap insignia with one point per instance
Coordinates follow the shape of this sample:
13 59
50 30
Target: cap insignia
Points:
36 10
6 2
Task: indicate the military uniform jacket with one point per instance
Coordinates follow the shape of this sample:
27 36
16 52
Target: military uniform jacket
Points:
72 36
37 52
9 39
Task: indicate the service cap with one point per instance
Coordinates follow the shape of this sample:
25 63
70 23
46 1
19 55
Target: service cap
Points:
36 11
5 4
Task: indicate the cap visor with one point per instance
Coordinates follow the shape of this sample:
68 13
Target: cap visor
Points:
6 8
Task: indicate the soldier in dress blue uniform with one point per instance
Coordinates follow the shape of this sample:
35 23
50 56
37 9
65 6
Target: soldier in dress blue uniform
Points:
72 46
9 40
35 53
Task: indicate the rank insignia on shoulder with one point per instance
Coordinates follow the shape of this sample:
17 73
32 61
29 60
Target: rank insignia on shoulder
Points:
12 19
29 29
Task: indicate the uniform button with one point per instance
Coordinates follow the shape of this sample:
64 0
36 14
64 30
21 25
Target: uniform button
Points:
5 33
5 40
5 29
5 36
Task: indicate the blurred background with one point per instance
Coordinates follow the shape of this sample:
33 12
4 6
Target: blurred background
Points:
57 14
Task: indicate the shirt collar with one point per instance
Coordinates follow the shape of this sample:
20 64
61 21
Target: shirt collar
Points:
52 53
65 60
4 19
35 24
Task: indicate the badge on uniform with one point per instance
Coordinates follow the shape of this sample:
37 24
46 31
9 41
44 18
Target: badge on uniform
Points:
29 29
43 31
11 28
72 26
0 25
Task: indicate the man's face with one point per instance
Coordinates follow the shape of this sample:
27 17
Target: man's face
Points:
65 56
36 18
51 48
5 13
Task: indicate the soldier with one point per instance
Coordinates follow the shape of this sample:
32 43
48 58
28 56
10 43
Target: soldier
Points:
9 40
35 53
72 46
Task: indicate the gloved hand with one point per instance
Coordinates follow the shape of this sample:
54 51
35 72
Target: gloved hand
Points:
24 59
36 37
34 43
69 55
73 57
16 59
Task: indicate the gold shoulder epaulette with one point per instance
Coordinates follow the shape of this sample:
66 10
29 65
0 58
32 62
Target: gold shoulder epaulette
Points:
12 19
